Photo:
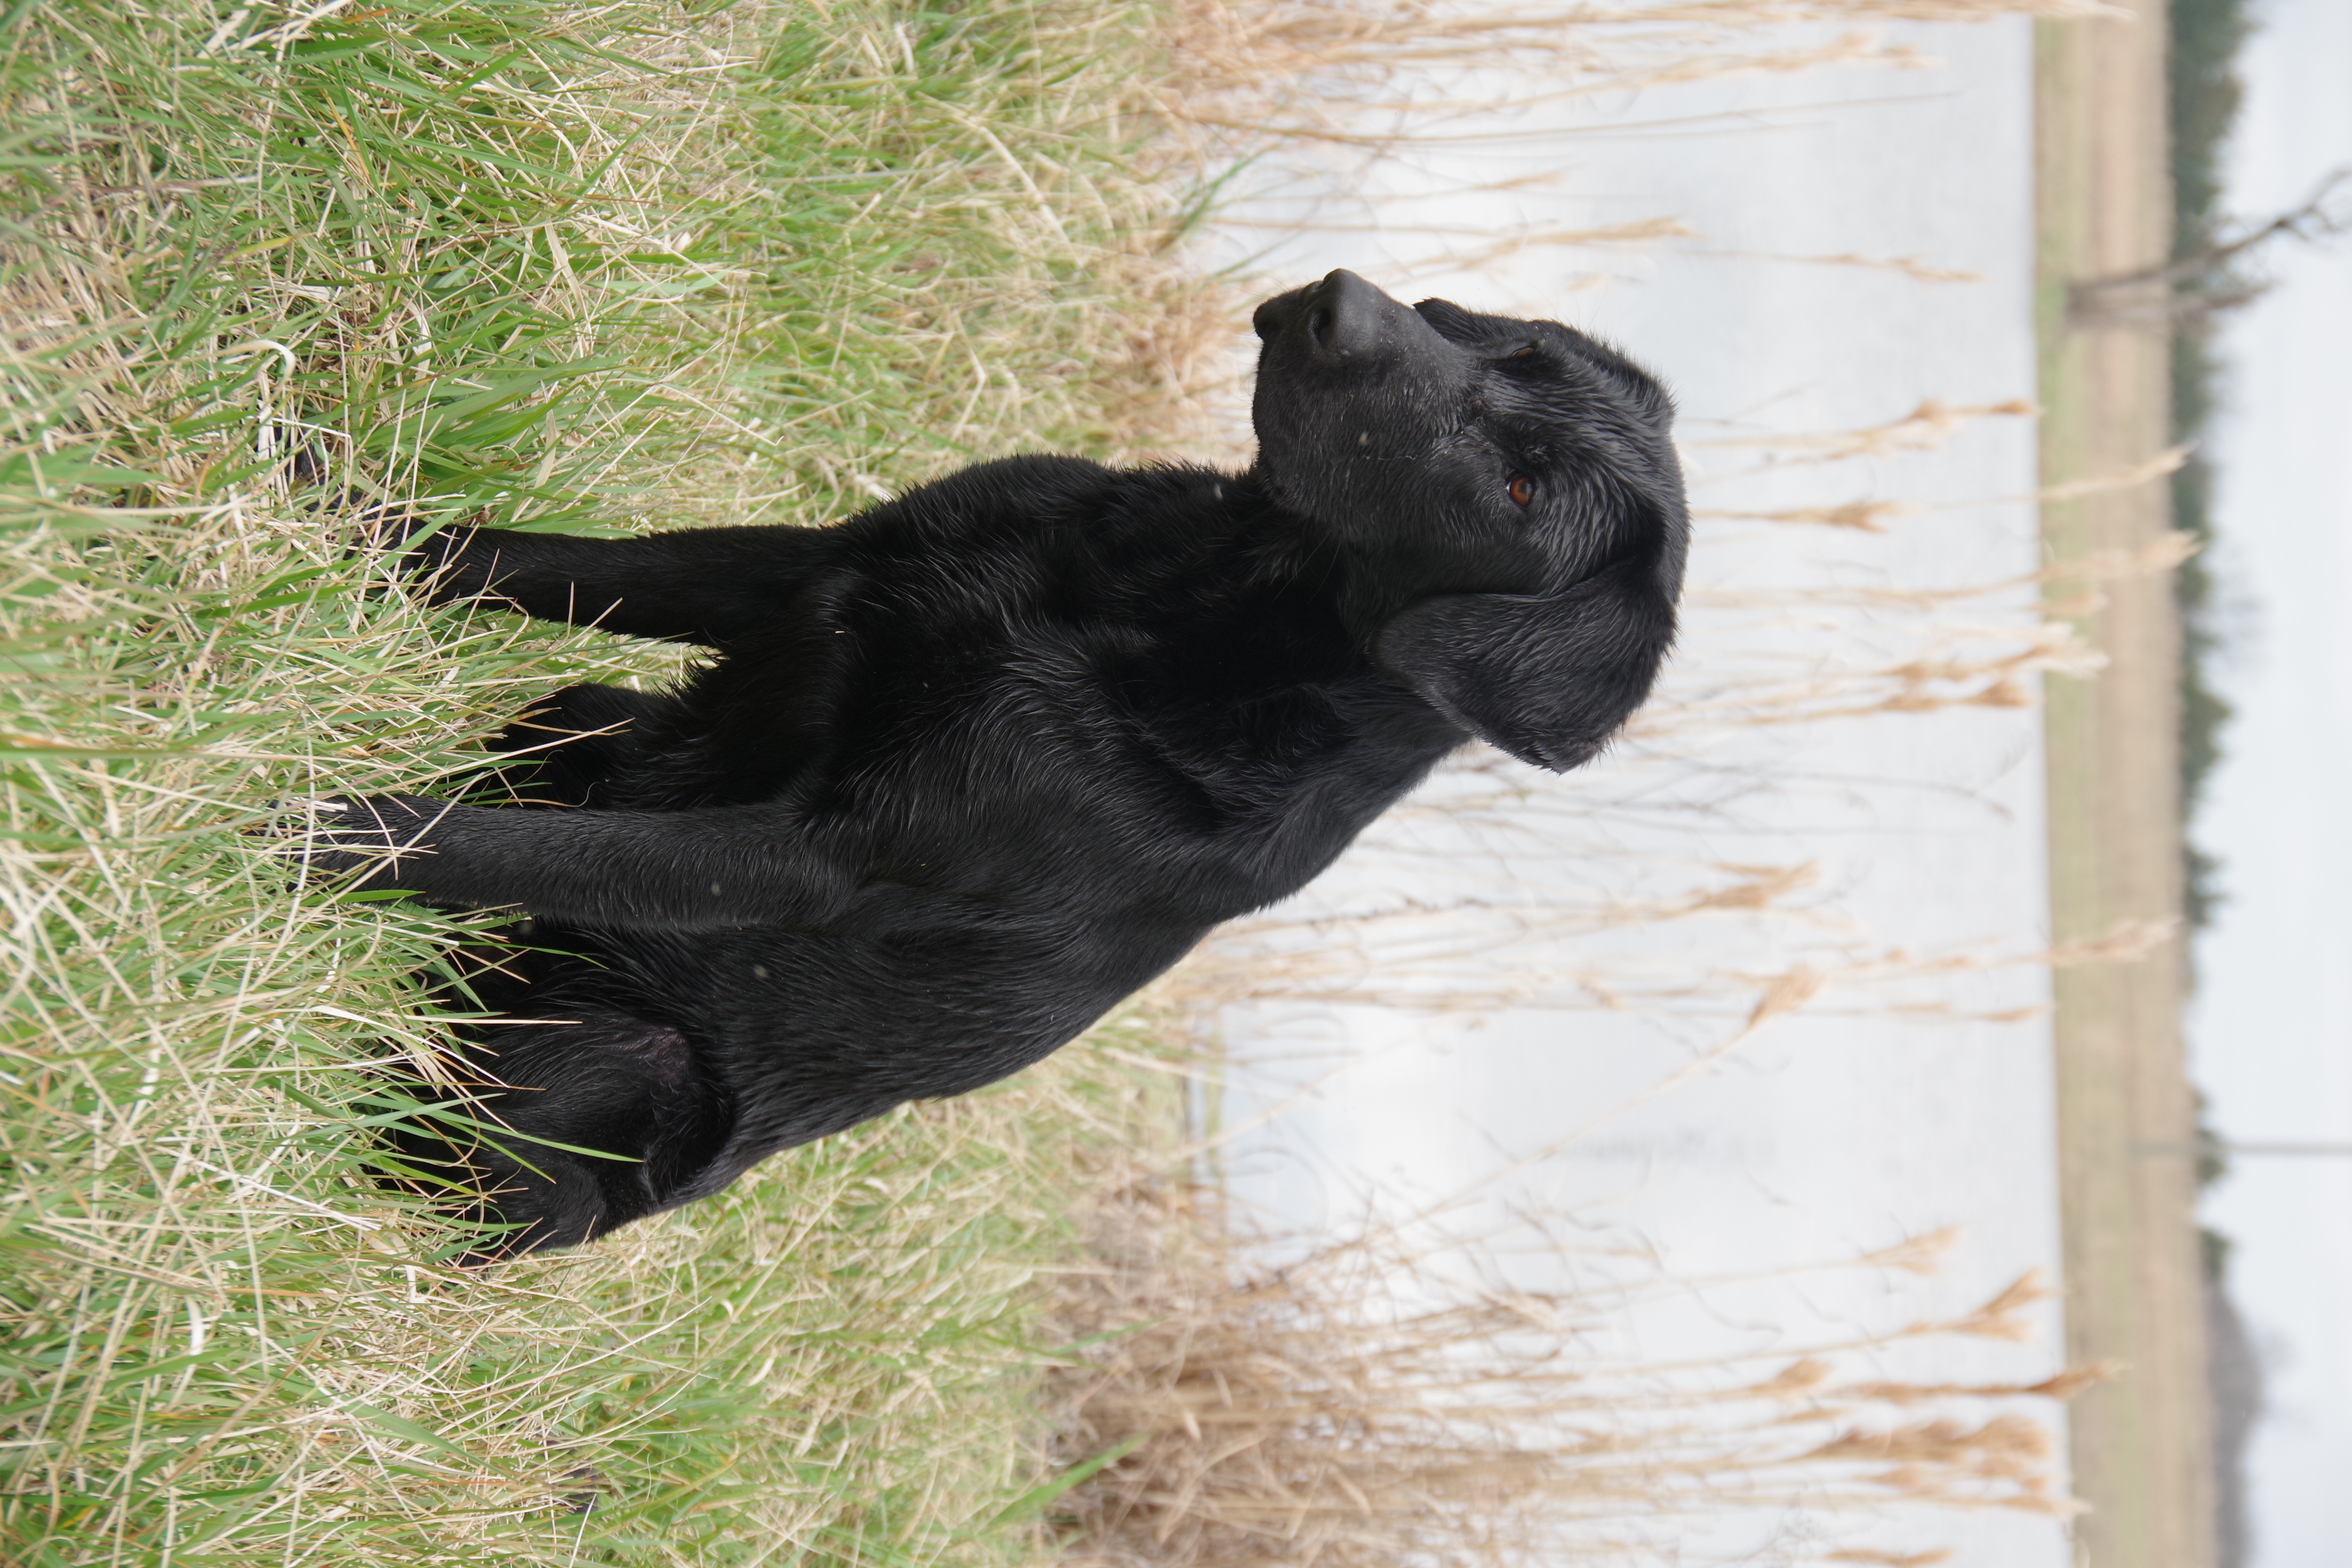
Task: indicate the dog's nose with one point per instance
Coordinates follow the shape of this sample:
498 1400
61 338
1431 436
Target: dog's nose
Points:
1344 316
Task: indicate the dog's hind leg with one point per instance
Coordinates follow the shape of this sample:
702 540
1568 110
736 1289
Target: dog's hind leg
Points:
577 1127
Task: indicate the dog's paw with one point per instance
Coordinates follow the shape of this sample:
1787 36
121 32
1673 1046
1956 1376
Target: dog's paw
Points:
387 527
420 547
329 838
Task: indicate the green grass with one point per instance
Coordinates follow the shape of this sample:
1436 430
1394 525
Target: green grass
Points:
543 266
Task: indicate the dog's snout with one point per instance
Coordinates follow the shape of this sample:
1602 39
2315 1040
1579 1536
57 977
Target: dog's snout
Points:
1342 319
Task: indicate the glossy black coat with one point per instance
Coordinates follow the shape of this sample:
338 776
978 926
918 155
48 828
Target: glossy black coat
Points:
969 768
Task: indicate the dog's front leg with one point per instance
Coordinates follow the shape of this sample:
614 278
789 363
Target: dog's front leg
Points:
708 586
710 870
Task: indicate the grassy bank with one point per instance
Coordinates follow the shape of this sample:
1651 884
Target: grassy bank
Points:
2142 1445
541 266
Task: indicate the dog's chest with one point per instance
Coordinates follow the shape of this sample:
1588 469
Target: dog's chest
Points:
1018 657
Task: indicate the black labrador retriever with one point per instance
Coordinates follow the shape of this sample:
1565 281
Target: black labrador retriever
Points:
965 770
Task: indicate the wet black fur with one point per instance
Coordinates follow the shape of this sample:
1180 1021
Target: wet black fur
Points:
964 770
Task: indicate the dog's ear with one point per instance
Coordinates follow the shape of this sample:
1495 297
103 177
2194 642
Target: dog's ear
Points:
1549 678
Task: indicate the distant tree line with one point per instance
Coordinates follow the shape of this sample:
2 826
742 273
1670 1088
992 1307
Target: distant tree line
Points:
2205 96
2208 271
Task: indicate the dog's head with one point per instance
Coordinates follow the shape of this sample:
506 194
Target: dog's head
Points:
1513 484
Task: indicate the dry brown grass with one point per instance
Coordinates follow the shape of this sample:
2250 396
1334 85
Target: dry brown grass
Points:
1371 1403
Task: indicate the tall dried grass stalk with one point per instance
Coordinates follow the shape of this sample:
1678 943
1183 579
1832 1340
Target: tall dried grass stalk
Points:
1869 516
1371 1403
1929 424
1475 958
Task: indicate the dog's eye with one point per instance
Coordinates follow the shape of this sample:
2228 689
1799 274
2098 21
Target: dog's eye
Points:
1522 489
1524 351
